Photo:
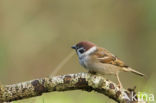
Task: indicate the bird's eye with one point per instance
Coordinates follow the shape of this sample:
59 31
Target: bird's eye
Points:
81 51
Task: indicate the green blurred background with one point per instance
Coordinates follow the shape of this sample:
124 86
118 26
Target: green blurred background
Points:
36 35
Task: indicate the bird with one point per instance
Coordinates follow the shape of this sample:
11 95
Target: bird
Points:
99 60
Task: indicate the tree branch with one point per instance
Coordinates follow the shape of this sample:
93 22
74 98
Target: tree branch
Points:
82 81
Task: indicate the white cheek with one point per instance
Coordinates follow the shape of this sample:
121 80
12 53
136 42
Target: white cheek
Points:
80 55
90 51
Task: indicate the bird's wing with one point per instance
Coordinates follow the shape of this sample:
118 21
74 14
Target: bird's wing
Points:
104 56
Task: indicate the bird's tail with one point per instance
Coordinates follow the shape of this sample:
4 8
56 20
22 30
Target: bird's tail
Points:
133 71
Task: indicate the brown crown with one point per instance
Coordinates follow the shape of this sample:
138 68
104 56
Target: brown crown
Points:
85 44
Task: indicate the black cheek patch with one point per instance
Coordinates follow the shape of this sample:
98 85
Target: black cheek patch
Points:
81 51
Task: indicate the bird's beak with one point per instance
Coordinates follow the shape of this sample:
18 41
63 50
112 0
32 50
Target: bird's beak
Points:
73 47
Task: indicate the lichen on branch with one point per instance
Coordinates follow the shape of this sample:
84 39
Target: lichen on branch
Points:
79 81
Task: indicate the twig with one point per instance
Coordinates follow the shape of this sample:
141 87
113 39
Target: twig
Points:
82 81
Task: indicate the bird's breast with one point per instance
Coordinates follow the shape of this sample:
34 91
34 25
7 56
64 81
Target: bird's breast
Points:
95 66
84 61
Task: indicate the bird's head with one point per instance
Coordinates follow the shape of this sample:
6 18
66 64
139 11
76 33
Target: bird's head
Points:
84 48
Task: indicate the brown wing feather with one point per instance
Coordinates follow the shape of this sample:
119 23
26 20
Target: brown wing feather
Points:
108 57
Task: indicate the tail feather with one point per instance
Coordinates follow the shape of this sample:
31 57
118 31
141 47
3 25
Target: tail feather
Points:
133 71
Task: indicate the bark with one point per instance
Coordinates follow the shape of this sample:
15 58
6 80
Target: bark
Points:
80 81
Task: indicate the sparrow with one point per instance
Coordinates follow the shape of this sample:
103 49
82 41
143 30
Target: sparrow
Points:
99 60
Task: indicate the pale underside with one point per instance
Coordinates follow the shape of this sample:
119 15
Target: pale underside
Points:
101 68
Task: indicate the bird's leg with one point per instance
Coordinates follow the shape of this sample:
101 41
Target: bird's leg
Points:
120 85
